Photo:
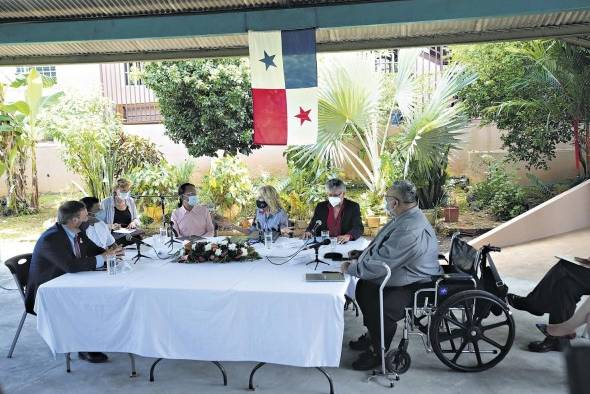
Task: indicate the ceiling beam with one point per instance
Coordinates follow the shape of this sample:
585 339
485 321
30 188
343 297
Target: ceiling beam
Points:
336 15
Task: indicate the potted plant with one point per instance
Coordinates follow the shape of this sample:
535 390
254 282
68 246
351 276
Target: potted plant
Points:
451 209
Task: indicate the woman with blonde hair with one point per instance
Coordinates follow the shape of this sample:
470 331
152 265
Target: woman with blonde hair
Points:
120 210
269 213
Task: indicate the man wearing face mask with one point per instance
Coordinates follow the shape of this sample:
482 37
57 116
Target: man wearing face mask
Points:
340 216
64 248
190 218
95 228
408 245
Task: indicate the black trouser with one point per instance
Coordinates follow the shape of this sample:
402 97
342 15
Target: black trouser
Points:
560 290
395 300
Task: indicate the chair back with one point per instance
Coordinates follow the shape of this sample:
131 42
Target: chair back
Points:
19 268
463 256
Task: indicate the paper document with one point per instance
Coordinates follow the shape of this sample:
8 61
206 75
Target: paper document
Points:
583 262
124 231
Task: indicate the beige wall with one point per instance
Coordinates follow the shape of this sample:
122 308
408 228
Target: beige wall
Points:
477 141
566 212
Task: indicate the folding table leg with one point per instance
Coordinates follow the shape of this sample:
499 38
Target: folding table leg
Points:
132 360
259 365
68 362
152 369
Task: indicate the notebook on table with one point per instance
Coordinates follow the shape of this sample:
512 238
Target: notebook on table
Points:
325 277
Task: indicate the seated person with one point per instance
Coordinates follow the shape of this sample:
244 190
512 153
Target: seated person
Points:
190 218
64 248
568 327
120 210
556 294
340 216
270 215
95 228
408 245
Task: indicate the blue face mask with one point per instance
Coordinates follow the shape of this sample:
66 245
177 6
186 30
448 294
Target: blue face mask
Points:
101 215
123 195
192 201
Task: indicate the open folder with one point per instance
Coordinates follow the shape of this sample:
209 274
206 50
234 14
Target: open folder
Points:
576 260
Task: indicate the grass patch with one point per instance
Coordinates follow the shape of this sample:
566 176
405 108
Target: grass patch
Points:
31 226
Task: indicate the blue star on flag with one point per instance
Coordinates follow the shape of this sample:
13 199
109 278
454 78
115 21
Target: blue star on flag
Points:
268 60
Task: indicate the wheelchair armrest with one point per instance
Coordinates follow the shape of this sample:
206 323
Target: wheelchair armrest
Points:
458 276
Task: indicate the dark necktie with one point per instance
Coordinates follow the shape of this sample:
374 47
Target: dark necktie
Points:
77 251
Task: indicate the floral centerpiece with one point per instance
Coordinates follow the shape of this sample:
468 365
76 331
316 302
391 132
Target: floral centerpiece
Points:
223 251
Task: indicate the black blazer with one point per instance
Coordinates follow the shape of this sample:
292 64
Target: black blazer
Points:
351 219
53 256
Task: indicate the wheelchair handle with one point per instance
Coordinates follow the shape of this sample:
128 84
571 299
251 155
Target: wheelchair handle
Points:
493 248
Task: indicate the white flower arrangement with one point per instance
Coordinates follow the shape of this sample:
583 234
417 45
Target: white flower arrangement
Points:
244 252
218 252
207 247
232 247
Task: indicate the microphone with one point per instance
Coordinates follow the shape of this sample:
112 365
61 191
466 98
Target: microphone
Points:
318 244
259 229
172 228
131 238
314 229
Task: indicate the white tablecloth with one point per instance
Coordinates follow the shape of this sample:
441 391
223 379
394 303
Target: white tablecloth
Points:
249 311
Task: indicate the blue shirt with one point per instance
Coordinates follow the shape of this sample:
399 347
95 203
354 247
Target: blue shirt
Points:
271 221
72 237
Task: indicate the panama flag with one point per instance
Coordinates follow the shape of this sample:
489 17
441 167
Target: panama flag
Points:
284 87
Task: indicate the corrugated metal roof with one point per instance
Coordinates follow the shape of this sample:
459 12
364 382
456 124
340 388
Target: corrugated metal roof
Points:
370 36
62 9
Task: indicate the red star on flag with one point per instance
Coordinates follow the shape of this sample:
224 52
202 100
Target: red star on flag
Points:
303 115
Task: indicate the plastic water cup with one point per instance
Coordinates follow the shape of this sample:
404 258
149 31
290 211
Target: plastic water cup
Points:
333 242
325 235
268 239
163 234
112 265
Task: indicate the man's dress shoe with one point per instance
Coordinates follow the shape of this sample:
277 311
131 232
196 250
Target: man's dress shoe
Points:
93 357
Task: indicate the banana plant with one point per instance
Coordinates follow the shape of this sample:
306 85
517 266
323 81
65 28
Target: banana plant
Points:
29 109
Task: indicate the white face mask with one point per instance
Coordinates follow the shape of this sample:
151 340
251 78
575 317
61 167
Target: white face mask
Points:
334 201
123 195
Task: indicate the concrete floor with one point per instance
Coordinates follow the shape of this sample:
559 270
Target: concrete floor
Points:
33 369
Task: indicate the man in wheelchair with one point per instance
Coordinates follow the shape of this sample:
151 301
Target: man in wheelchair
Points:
408 245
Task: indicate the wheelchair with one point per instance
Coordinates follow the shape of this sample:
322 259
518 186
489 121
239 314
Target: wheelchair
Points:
457 315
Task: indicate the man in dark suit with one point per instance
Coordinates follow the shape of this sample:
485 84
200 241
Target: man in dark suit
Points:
340 216
65 248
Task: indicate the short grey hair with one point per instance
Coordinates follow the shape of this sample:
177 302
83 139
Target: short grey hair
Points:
335 184
406 191
69 210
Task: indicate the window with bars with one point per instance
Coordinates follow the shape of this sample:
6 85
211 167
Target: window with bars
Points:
386 61
130 69
47 71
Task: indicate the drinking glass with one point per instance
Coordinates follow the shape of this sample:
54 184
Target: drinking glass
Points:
325 235
268 239
112 265
163 234
333 242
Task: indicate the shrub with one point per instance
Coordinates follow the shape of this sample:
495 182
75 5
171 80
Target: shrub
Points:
498 193
228 187
133 152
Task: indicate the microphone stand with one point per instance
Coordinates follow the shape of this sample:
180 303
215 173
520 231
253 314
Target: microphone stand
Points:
171 241
138 255
317 260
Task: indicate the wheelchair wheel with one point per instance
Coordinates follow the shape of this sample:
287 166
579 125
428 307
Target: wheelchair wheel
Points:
466 337
398 361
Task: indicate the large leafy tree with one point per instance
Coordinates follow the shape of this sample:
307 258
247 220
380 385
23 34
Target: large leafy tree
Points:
206 104
27 112
536 91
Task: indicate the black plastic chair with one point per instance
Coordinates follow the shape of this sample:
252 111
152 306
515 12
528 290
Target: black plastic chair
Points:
19 268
